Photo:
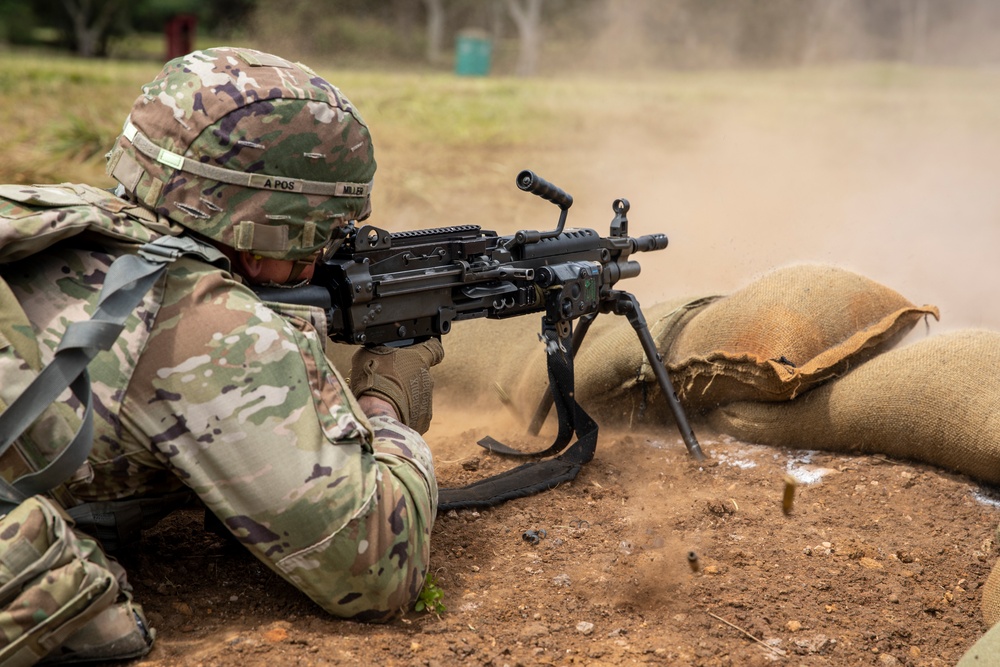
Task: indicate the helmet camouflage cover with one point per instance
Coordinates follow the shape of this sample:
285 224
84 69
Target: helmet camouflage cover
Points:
248 149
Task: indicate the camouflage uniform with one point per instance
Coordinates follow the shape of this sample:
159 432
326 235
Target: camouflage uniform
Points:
210 388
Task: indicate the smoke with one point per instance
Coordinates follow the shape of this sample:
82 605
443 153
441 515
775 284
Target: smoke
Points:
893 179
631 34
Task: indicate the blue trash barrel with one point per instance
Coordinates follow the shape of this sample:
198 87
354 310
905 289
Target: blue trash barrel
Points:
473 50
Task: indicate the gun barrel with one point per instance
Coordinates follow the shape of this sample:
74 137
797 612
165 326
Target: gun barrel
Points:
651 242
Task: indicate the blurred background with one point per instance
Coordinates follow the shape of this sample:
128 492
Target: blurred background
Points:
754 133
530 36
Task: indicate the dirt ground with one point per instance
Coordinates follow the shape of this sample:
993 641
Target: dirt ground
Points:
879 562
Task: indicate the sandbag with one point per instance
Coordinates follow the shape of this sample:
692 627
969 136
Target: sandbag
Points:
991 596
936 401
985 652
784 333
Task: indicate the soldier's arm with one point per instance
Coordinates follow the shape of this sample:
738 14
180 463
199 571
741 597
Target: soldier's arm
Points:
249 413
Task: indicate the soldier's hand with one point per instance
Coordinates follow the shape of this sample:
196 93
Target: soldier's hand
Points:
400 376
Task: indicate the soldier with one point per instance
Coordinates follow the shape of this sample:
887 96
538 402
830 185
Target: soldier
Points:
211 390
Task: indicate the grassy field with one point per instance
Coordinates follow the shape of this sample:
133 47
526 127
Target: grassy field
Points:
60 114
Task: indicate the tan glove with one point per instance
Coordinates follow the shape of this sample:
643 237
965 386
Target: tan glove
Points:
401 376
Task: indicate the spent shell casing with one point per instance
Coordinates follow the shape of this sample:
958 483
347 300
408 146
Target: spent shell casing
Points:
789 496
693 561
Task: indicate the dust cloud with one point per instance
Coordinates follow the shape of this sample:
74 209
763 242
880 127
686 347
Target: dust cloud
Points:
905 194
872 145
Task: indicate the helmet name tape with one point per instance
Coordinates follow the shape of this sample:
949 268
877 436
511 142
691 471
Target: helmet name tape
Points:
262 182
256 181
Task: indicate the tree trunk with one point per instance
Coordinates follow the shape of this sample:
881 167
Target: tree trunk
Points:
819 24
527 16
435 30
90 23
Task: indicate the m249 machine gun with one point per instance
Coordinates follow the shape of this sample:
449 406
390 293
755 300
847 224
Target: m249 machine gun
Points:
382 288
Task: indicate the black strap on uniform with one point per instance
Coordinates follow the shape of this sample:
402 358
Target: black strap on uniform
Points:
128 279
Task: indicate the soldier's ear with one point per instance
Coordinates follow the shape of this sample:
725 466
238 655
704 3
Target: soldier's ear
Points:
261 270
250 265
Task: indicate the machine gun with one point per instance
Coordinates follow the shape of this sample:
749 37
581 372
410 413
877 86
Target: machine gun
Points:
399 288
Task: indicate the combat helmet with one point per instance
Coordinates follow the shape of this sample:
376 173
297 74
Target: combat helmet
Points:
248 149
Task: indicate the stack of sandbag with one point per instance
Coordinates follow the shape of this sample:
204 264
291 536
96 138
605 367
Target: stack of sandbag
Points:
783 334
936 401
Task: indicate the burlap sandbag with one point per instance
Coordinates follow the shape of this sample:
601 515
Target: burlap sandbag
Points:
500 364
991 596
786 332
935 401
614 379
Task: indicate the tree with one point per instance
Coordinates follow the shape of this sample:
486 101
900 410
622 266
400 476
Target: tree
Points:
435 30
527 15
915 14
91 20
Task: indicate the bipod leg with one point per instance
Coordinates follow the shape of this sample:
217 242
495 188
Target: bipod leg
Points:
544 405
628 306
572 418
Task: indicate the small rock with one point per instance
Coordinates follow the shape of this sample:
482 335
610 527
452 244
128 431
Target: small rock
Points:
585 627
183 608
793 626
534 631
561 580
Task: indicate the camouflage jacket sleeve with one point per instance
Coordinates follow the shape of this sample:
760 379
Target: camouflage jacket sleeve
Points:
242 404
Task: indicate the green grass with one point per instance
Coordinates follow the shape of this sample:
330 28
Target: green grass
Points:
431 598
